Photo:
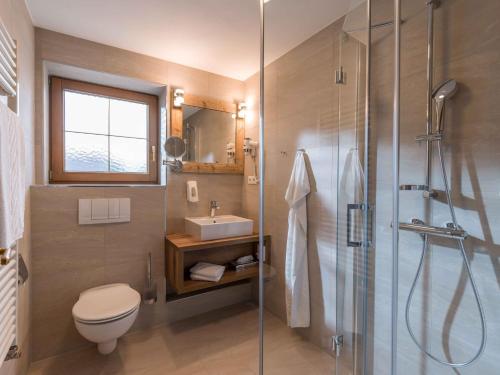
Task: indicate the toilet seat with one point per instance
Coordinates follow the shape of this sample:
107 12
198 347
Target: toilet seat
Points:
105 304
104 321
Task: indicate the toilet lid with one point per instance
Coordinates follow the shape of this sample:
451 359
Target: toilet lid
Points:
106 302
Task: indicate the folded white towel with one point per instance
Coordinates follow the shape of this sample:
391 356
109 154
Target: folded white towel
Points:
210 272
12 177
205 278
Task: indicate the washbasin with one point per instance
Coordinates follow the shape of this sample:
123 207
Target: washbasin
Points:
223 226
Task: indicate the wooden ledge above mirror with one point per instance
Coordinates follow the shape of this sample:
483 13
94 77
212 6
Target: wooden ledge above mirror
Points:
214 137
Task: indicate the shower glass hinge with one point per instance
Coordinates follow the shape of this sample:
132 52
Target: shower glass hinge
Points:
340 76
337 344
13 353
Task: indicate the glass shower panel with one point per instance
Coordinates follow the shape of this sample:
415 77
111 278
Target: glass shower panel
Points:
301 120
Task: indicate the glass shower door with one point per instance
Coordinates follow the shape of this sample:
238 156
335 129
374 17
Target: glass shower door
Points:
353 217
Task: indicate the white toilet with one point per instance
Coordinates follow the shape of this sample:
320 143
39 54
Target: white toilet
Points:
105 313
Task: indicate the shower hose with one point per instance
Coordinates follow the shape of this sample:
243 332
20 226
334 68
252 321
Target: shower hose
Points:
469 273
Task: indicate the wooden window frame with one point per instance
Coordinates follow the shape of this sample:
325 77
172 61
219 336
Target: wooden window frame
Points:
57 173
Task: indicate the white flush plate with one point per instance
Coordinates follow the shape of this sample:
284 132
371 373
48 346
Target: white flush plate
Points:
103 211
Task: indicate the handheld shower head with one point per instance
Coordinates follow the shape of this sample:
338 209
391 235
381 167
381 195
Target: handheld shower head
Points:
440 94
445 91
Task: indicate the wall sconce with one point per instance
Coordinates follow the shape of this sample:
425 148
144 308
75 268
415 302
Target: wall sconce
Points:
178 98
242 110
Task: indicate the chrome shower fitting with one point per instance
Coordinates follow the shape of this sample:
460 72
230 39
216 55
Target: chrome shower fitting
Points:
442 93
451 230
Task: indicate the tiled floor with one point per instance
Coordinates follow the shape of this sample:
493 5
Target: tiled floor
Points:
217 343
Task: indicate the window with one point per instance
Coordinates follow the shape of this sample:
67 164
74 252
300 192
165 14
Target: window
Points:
102 134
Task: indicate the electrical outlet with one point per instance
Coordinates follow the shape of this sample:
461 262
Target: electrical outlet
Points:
252 180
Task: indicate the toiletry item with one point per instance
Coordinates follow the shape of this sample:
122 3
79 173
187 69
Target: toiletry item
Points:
240 267
243 263
244 259
192 191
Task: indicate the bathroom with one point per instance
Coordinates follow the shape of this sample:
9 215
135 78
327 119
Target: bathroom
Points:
330 120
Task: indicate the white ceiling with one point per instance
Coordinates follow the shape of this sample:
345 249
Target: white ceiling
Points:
219 36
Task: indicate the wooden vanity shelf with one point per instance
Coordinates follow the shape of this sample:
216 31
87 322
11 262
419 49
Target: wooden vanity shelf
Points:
183 252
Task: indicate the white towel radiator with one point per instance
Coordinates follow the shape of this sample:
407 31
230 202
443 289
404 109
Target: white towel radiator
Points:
8 257
8 63
8 302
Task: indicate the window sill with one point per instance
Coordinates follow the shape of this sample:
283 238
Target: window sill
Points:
90 185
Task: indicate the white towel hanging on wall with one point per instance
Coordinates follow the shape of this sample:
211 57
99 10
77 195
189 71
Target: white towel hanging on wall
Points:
296 265
12 178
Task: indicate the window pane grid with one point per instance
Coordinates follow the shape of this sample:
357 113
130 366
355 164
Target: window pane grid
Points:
105 135
126 132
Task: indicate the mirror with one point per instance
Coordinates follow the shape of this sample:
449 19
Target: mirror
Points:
209 135
211 131
175 147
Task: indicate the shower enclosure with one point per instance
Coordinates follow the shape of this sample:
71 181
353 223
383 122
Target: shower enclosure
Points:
395 103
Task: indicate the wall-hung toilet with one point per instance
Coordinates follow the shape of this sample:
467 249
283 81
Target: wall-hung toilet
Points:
105 313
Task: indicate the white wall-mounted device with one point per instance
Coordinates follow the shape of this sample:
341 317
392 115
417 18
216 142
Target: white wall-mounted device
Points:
103 211
250 148
192 191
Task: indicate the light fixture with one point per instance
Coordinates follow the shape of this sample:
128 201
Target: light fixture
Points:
242 110
178 98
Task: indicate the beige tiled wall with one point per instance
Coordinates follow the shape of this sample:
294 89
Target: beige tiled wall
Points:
17 20
69 258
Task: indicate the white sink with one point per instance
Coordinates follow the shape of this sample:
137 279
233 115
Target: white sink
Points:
224 226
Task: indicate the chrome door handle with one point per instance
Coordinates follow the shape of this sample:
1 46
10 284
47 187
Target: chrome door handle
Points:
350 208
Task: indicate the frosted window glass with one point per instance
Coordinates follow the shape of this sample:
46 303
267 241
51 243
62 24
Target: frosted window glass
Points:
104 134
85 113
85 153
128 119
128 155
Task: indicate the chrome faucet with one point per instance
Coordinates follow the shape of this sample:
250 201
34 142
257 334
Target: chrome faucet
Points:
214 205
